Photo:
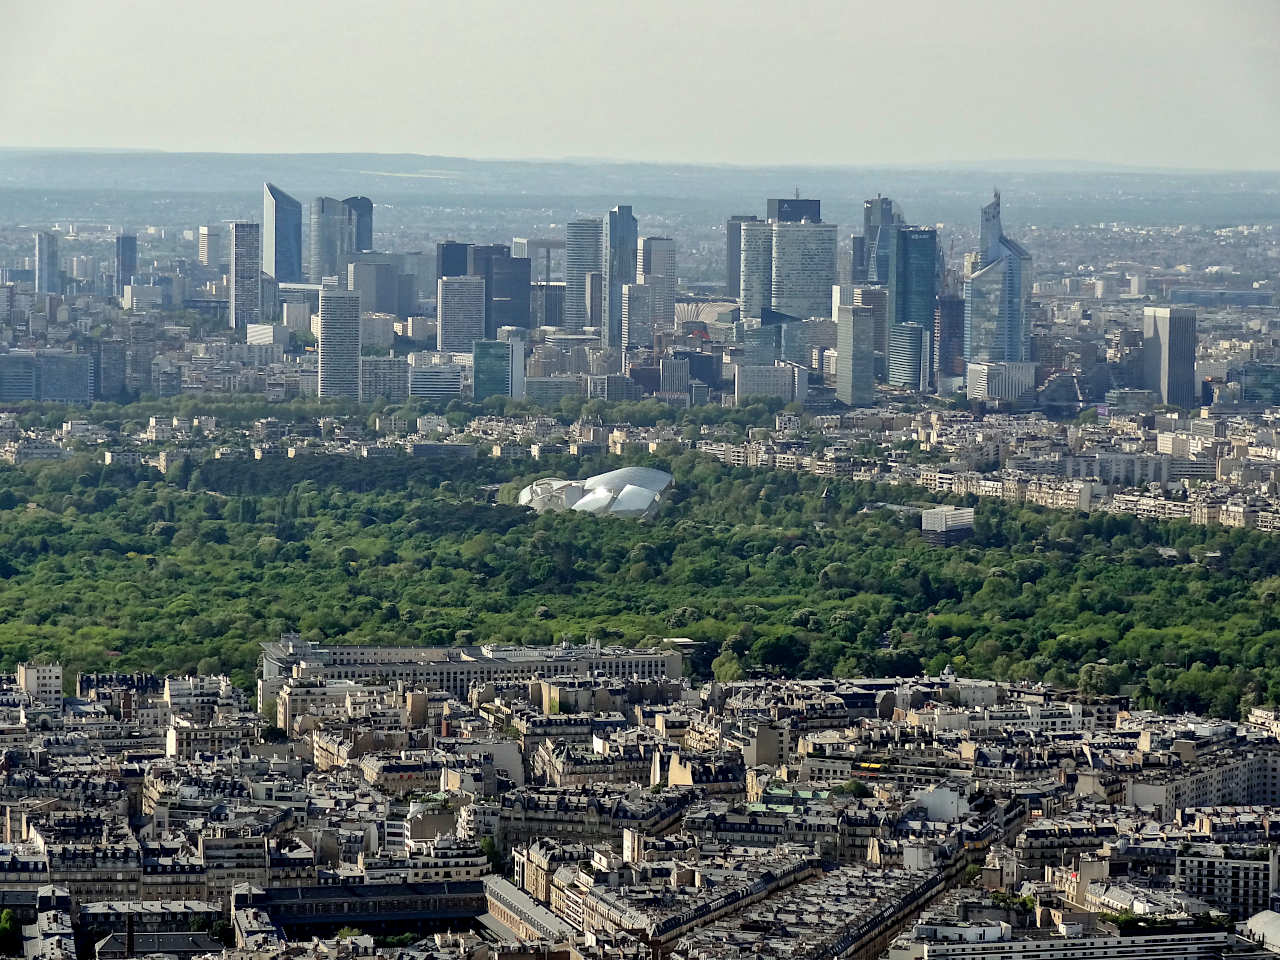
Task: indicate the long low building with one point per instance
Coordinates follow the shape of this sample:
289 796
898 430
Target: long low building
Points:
453 669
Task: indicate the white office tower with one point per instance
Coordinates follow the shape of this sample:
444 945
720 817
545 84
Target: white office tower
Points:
1006 384
756 268
207 247
339 344
656 268
245 280
637 315
804 268
855 347
582 246
459 313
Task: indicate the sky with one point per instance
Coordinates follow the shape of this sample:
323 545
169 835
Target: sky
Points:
1180 83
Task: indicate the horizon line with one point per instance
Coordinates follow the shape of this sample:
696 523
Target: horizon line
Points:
1048 164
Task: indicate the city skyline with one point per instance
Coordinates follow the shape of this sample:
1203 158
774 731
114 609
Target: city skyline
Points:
1119 76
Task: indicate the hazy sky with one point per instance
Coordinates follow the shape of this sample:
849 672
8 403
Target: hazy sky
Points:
1190 83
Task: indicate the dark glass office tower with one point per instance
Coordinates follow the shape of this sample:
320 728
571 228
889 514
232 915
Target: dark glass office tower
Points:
126 260
452 258
281 235
621 250
362 209
793 210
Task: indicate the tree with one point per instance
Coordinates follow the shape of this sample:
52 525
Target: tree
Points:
727 668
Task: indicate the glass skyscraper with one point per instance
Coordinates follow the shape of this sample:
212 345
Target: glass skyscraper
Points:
996 295
620 252
281 235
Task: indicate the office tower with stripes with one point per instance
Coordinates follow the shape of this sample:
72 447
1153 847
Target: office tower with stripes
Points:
582 253
244 283
339 344
459 313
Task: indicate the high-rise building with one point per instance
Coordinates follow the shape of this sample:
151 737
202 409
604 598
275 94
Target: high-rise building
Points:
339 344
909 356
948 337
546 299
497 368
362 210
1169 355
855 348
915 276
656 268
637 315
804 268
755 268
594 297
582 252
880 218
281 235
48 271
996 295
733 253
459 313
207 247
673 376
333 237
453 259
377 282
506 286
877 300
620 251
126 260
245 280
793 210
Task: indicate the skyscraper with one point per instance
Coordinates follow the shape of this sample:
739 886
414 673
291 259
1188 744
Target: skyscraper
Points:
804 268
333 237
855 348
497 368
362 210
126 260
245 280
1169 355
339 344
48 272
453 259
506 286
880 218
593 297
733 253
582 251
756 268
281 235
877 300
656 268
207 251
637 315
620 253
948 337
915 276
459 313
909 357
996 295
793 210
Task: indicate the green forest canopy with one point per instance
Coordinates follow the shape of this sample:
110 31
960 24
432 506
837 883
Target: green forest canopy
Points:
117 569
